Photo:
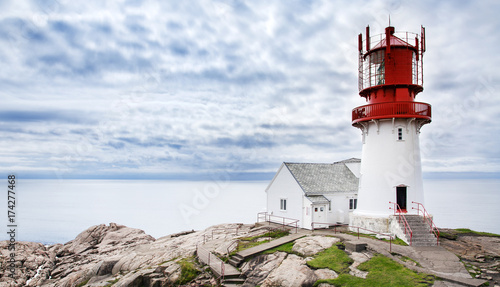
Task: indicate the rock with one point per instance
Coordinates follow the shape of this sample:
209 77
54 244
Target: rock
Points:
311 245
259 267
325 274
358 258
292 272
33 262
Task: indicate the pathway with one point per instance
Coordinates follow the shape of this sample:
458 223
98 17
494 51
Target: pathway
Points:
273 243
434 260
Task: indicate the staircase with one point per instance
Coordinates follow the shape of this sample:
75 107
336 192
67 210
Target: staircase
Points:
236 260
422 235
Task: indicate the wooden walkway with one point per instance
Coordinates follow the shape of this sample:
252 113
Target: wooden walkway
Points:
274 243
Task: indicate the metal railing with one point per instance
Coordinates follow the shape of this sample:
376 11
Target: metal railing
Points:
391 110
284 221
398 211
391 238
428 219
208 237
375 232
212 261
325 223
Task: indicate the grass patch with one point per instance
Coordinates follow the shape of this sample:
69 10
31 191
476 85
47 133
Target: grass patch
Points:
188 270
397 240
173 259
382 271
406 259
466 231
287 247
332 258
112 282
272 234
83 283
249 242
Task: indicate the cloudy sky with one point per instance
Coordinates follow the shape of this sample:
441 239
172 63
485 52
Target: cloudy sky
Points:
196 89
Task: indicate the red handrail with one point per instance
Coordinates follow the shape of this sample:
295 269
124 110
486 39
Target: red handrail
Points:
428 219
397 209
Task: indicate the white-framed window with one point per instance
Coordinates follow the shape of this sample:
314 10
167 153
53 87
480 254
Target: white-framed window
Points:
353 203
283 204
400 134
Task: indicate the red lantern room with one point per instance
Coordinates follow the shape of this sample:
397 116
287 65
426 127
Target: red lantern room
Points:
390 76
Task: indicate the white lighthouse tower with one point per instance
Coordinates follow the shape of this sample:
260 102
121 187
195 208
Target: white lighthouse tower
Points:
390 77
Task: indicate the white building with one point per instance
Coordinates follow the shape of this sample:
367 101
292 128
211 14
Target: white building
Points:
323 193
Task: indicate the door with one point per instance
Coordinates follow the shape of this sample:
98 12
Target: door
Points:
319 216
401 198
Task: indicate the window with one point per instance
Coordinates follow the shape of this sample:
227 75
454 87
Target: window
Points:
353 203
283 204
400 134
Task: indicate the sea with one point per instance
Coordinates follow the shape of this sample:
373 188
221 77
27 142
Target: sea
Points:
56 211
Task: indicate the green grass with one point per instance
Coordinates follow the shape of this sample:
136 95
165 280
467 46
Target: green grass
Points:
111 282
382 272
478 233
332 258
83 283
406 259
287 247
249 242
188 270
273 234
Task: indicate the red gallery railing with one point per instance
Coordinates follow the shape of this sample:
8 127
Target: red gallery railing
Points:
391 110
428 219
398 211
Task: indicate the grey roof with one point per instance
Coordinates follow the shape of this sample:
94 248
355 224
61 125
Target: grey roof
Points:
323 178
317 199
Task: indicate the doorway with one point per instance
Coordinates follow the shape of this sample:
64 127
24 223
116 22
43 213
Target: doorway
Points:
401 198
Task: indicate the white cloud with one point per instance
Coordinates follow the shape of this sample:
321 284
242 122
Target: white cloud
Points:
142 87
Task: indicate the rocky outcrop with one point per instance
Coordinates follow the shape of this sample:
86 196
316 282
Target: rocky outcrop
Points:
117 255
258 268
292 272
311 245
33 263
108 253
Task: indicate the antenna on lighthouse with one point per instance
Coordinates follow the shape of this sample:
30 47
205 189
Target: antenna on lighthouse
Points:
389 20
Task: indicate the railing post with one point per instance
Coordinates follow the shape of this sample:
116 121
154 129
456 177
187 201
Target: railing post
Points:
390 244
358 232
209 259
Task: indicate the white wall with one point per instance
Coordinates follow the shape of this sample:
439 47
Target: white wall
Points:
284 186
386 163
307 213
340 207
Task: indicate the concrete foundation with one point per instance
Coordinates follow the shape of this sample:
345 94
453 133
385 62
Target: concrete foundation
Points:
369 224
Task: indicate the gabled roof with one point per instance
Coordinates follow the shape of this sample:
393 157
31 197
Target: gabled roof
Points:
316 199
324 178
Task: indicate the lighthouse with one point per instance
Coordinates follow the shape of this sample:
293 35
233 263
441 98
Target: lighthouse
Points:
390 78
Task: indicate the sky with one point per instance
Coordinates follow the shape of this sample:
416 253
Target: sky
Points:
214 89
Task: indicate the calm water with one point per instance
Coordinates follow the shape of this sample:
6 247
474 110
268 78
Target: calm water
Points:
51 211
